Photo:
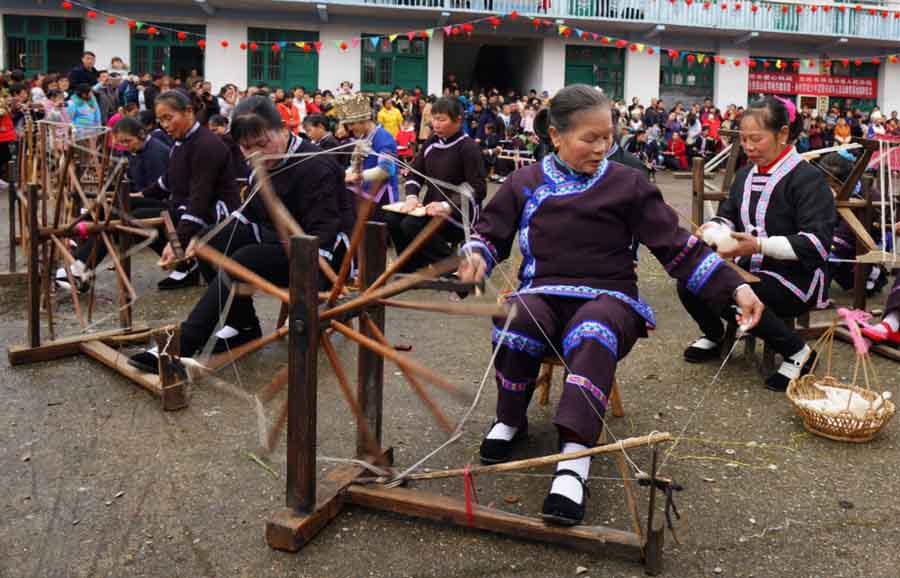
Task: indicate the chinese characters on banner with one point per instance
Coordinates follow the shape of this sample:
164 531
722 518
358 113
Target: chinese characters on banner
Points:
813 84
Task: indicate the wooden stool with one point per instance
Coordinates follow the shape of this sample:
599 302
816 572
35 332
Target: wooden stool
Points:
545 379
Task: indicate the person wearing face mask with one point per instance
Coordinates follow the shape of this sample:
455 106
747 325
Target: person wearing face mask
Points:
309 191
576 214
451 156
779 217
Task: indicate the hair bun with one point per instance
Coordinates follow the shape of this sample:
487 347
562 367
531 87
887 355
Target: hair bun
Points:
541 124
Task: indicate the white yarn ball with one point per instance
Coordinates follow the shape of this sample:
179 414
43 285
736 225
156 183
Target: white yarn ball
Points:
719 236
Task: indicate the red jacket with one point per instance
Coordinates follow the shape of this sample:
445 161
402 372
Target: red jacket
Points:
405 141
7 129
679 151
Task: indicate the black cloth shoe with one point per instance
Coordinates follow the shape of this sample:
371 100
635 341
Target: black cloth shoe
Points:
243 336
191 279
562 511
699 355
498 451
145 361
779 382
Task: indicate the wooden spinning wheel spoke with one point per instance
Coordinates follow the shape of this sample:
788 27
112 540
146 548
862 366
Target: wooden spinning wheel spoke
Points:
73 290
237 270
358 229
413 382
421 238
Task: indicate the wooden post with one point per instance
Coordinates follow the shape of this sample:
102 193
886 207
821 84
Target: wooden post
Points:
125 318
370 371
698 192
303 346
860 269
173 387
653 545
11 204
34 271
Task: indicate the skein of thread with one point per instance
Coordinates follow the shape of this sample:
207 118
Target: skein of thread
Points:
719 237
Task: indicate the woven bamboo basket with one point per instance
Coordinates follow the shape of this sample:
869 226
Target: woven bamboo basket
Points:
841 426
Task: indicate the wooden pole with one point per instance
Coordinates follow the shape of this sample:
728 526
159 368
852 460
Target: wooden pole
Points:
124 283
370 365
34 271
70 260
621 445
699 191
172 234
472 309
303 348
423 237
11 214
124 198
356 238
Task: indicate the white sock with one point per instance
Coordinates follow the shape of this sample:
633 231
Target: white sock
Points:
227 332
177 275
501 431
893 320
154 351
704 343
567 485
793 364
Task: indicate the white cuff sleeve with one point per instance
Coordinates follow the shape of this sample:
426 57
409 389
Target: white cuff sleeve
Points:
779 248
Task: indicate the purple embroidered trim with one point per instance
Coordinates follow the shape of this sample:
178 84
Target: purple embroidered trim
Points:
586 384
816 243
510 385
519 342
703 272
841 242
818 279
595 331
690 244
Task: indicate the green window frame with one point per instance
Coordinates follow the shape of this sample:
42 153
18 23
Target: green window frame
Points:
265 66
153 54
604 65
40 44
678 73
403 63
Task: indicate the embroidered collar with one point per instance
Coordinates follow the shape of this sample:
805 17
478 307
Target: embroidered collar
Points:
563 167
769 169
612 150
453 138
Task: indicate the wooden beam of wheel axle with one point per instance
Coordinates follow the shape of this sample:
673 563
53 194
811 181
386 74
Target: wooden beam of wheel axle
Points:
137 231
413 382
399 359
220 360
355 239
285 224
123 277
279 380
621 445
426 273
277 428
93 228
471 309
372 445
237 270
423 237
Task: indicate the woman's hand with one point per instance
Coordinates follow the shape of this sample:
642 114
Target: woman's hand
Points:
167 257
191 250
709 224
437 209
411 204
352 178
746 245
751 307
472 268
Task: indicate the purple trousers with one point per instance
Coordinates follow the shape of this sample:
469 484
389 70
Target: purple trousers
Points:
590 334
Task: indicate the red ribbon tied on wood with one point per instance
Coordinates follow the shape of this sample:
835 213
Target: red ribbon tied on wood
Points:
854 318
471 494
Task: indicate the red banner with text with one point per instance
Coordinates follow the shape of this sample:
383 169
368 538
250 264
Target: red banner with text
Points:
813 85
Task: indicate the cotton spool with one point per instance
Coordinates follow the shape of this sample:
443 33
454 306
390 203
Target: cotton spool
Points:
719 237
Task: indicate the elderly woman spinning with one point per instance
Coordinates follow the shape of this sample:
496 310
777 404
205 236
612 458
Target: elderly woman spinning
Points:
576 215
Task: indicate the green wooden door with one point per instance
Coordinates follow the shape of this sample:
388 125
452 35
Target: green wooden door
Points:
39 44
410 71
579 74
163 53
597 66
301 69
402 63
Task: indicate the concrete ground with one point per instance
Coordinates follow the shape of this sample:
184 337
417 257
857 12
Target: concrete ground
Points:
96 481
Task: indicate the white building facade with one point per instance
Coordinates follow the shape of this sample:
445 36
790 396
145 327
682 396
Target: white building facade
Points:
820 53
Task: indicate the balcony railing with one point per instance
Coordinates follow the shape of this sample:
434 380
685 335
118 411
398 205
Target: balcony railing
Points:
768 17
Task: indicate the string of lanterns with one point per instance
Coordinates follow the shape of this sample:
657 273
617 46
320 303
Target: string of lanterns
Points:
467 28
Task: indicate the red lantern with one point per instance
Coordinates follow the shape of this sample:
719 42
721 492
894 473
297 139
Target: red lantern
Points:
494 21
455 30
132 24
876 61
892 59
110 20
66 5
224 44
812 64
343 46
766 64
799 9
845 61
826 9
633 47
243 46
537 23
688 2
796 65
585 34
423 34
621 43
827 64
737 7
181 35
691 58
650 50
152 31
872 12
897 15
201 43
673 53
858 62
468 28
253 46
737 61
858 8
513 15
754 8
306 47
567 32
813 8
784 9
91 14
842 8
604 40
706 5
275 48
884 14
752 64
724 6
